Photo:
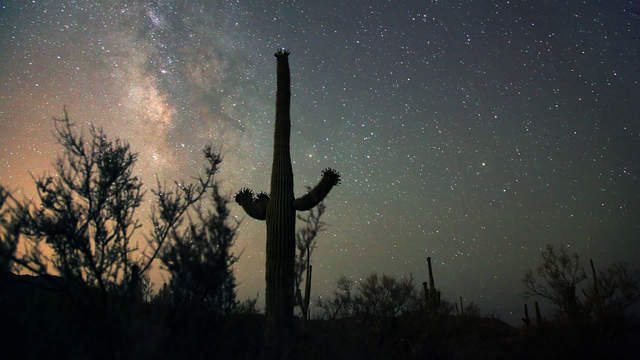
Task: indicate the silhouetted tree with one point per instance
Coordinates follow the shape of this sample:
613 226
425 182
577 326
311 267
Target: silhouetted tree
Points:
374 297
201 289
385 296
278 209
85 212
556 280
173 202
77 237
305 244
84 221
9 233
198 258
613 290
340 304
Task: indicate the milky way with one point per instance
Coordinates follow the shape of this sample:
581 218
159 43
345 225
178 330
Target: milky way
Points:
471 132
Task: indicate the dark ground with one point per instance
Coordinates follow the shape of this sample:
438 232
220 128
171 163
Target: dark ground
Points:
39 323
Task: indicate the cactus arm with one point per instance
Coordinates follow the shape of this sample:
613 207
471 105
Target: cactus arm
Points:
254 206
330 178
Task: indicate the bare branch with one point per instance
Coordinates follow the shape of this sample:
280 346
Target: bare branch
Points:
173 203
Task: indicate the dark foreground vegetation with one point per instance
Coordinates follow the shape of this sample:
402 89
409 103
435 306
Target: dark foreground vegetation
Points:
42 323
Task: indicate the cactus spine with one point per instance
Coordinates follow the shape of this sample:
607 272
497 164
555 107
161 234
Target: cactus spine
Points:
278 209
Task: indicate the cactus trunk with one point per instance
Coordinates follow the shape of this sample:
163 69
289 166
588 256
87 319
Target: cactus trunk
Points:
281 217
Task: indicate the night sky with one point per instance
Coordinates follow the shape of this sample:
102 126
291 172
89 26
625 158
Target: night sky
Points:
474 132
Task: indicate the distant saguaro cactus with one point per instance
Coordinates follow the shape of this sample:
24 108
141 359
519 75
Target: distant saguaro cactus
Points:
278 209
597 300
538 315
432 295
525 319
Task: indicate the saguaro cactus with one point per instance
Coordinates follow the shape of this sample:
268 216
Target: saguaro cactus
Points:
525 319
278 209
433 294
596 292
432 284
538 315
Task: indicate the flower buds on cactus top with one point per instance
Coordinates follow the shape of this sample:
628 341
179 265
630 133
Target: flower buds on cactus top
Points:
282 52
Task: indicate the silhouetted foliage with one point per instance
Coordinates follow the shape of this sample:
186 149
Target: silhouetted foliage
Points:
84 222
9 233
618 289
340 304
173 202
375 297
385 296
247 307
559 273
611 291
199 260
85 213
78 241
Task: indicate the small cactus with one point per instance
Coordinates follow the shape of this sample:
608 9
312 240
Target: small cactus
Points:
426 294
431 282
596 292
538 315
525 319
432 295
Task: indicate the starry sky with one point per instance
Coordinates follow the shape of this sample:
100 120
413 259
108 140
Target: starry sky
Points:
474 132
